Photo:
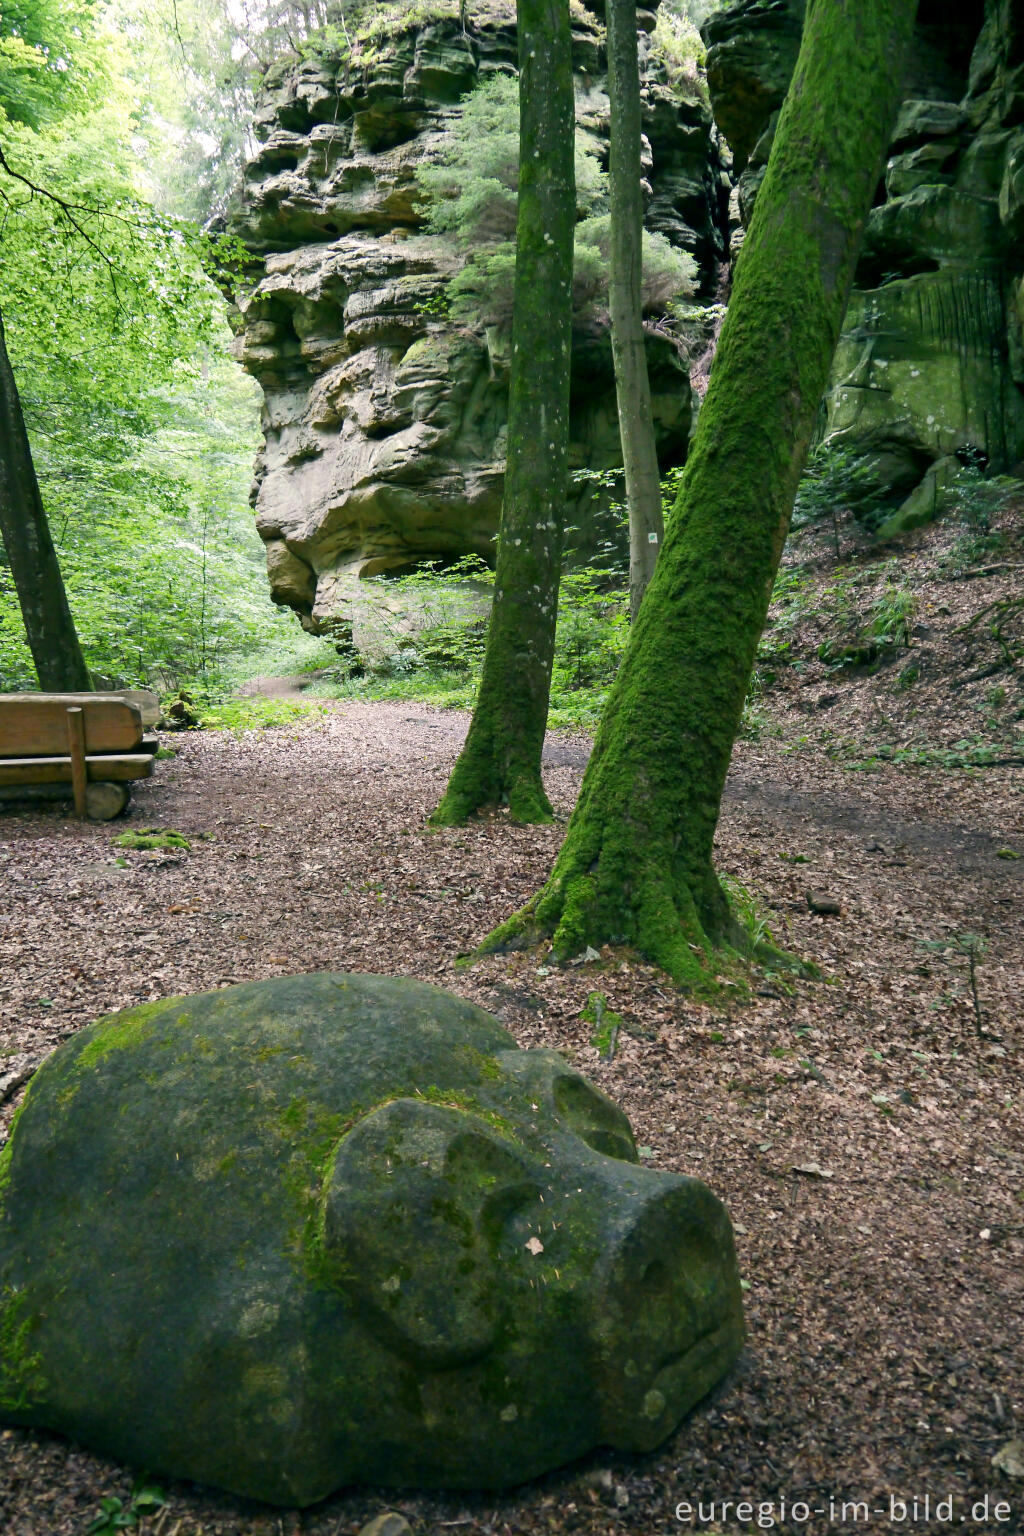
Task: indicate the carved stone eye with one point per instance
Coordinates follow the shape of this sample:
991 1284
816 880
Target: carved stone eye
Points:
412 1215
593 1118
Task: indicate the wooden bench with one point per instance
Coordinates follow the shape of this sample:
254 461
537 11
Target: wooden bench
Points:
88 744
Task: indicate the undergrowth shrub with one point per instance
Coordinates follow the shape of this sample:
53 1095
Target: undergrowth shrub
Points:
471 195
430 637
836 479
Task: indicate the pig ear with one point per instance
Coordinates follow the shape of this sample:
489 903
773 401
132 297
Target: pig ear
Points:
412 1209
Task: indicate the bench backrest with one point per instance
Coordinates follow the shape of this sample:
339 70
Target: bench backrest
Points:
36 724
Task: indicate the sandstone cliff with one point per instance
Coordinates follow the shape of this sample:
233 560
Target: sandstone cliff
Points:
931 362
384 424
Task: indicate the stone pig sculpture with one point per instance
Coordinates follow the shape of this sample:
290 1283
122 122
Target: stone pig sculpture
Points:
325 1229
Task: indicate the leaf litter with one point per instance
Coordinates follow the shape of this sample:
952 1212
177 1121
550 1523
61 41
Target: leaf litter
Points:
865 1130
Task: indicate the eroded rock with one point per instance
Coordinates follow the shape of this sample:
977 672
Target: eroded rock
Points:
384 423
327 1229
929 362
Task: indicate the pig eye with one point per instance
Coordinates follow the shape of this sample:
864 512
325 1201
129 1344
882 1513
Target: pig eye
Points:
594 1119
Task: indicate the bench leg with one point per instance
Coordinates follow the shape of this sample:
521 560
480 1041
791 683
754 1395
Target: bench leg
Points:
76 749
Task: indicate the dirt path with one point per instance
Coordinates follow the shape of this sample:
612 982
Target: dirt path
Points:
292 686
886 1299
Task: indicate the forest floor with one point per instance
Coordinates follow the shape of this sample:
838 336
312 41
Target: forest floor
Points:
866 1131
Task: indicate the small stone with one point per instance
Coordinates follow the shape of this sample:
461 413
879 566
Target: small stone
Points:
1010 1458
388 1523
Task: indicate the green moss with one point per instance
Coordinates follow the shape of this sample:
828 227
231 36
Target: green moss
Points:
436 346
636 864
21 1378
500 763
451 1098
604 1019
120 1032
153 837
7 1150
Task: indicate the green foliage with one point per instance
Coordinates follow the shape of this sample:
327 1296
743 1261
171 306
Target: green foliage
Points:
678 46
970 752
890 615
884 633
747 911
472 188
372 26
430 619
146 1499
668 273
199 65
143 434
149 512
48 58
593 627
836 479
977 499
428 630
976 502
789 605
694 12
472 199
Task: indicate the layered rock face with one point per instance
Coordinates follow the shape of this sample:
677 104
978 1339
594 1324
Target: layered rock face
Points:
931 362
384 424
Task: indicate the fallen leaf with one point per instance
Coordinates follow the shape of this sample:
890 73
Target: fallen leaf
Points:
813 1170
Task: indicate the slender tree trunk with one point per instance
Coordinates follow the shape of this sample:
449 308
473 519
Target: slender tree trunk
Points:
636 865
26 535
632 388
500 763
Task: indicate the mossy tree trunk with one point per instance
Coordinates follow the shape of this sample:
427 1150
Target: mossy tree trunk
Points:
632 387
500 762
636 865
49 626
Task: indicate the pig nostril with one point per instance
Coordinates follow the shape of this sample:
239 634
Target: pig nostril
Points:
655 1274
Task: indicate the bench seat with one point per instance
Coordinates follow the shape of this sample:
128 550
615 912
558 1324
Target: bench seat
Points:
100 767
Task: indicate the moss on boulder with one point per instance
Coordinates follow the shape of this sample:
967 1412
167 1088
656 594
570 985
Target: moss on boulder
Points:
326 1229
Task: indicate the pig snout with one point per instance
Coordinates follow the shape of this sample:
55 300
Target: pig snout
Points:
667 1309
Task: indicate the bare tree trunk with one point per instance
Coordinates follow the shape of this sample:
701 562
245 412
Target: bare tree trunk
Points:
500 762
632 388
636 864
49 626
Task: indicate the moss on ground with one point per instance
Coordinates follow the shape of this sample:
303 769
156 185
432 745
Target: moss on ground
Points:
153 837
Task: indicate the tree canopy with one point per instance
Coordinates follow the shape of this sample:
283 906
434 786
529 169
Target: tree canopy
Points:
142 428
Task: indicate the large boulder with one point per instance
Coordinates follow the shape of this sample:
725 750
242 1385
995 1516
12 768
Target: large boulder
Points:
384 422
929 361
327 1229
